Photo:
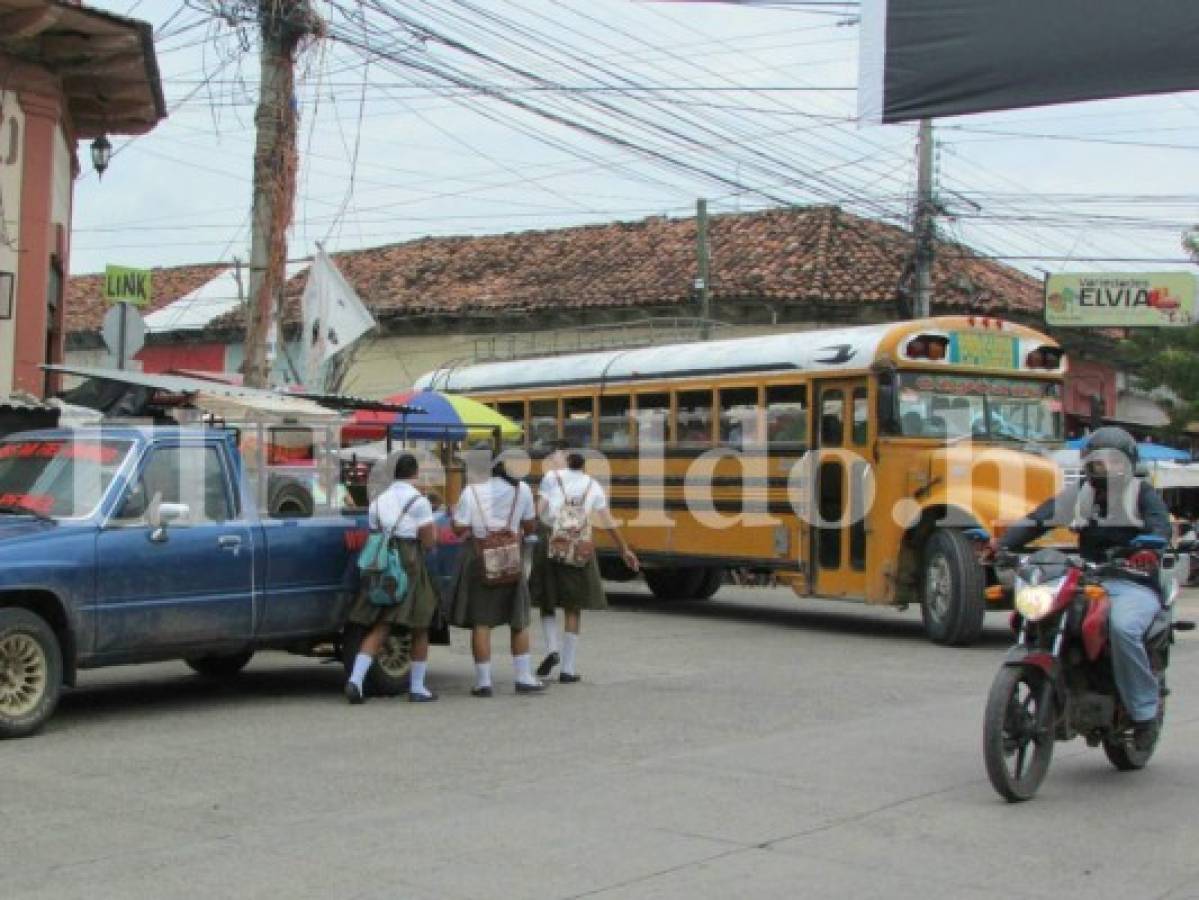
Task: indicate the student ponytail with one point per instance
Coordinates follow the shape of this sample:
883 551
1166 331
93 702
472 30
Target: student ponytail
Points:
500 471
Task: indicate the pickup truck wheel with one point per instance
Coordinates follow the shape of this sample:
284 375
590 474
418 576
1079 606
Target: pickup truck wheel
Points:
388 677
30 672
220 665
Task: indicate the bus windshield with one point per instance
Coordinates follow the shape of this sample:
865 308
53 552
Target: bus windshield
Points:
980 408
58 476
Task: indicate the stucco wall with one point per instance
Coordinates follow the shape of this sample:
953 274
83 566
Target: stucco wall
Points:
391 364
62 185
12 127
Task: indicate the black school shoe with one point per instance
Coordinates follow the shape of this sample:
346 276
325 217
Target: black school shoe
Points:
570 678
1144 735
481 692
547 664
522 688
354 694
422 698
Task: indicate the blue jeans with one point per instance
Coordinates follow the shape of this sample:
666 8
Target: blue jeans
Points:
1134 607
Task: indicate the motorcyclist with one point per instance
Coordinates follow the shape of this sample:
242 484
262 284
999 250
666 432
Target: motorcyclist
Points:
1109 509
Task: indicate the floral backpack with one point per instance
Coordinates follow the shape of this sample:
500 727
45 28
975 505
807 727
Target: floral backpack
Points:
570 537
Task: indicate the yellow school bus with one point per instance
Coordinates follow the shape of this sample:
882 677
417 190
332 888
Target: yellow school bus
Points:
862 463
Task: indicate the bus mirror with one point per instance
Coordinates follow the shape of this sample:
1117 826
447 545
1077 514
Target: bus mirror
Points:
888 421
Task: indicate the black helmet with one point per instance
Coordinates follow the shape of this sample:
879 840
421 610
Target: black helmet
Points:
1111 438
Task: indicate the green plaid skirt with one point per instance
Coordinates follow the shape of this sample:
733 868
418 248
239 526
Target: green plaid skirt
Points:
553 585
474 604
420 603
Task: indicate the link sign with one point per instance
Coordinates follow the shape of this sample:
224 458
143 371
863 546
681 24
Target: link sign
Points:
125 285
1121 299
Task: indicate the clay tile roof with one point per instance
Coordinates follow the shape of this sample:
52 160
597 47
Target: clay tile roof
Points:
817 255
85 305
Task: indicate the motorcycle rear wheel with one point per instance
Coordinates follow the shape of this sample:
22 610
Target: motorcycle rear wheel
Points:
1017 759
1124 756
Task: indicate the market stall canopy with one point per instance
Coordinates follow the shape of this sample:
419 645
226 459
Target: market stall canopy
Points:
129 393
1147 452
446 417
1171 475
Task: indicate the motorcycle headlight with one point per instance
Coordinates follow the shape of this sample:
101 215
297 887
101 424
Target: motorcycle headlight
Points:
1034 602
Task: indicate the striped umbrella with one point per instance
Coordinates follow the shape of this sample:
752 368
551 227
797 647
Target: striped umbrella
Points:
443 417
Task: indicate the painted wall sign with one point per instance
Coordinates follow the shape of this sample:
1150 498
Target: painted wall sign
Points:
1106 299
125 285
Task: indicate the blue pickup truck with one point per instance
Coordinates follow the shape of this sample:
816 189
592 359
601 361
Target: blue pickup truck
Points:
126 544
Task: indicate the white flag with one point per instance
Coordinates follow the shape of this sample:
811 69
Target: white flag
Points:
334 316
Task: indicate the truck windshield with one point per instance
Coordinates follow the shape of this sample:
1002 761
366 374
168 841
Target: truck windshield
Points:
981 408
61 477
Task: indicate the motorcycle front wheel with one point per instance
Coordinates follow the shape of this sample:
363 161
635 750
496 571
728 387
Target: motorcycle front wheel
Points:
1017 757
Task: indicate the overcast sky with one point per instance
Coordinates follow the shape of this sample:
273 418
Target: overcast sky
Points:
756 103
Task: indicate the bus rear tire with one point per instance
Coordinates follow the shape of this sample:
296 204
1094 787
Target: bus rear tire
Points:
680 583
712 580
952 605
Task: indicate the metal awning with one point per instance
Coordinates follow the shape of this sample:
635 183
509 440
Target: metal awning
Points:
1138 410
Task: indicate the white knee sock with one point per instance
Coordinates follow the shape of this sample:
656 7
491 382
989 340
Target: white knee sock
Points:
362 665
570 644
482 674
416 681
549 629
523 673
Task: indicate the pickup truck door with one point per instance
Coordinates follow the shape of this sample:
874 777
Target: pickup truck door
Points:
308 580
188 584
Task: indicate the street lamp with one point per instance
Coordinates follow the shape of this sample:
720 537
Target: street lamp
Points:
101 154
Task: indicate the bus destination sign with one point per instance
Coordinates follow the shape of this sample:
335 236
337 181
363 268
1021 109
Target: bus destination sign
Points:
986 351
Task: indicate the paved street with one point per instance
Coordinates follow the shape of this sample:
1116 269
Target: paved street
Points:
753 745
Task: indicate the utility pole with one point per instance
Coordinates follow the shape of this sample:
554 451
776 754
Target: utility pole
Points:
702 280
923 222
283 25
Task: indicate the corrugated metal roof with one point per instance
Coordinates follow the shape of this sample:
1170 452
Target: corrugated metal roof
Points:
217 297
23 403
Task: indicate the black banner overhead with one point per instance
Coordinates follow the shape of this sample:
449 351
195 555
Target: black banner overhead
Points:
948 57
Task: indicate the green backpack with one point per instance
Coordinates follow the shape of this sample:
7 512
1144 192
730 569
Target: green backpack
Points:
382 567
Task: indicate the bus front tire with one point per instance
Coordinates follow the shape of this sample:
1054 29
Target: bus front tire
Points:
952 604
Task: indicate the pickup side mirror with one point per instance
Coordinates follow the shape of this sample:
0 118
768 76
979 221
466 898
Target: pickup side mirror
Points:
163 514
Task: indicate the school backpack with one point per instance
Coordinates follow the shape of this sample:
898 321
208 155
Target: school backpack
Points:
499 550
570 537
382 567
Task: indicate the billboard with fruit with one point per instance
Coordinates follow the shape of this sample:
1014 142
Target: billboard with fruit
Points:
1130 299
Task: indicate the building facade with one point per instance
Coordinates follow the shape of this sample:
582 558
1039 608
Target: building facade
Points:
447 301
70 73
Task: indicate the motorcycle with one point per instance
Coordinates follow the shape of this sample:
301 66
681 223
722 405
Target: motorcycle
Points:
1057 682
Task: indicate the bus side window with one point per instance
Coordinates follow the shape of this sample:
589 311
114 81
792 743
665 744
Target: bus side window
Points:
739 417
653 419
787 414
515 411
832 418
577 415
543 423
615 426
861 416
695 418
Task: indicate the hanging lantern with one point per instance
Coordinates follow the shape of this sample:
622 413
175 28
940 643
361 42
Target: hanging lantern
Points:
101 154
